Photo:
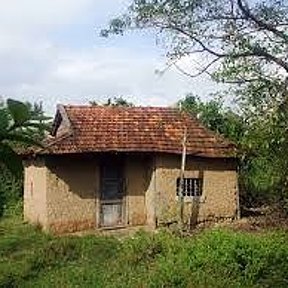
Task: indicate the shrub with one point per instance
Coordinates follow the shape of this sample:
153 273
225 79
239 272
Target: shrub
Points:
10 191
214 258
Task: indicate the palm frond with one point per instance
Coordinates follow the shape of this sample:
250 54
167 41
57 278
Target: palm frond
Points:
10 159
19 111
22 138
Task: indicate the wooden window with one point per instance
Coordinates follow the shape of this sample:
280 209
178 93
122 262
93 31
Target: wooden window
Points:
192 187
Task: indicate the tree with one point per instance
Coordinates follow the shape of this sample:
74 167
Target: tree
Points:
258 178
240 43
215 116
19 125
116 101
229 32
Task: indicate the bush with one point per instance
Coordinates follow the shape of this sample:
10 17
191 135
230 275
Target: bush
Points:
215 258
10 192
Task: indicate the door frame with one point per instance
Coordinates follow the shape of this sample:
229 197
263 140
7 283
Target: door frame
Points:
115 161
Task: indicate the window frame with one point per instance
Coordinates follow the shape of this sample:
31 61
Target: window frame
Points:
190 194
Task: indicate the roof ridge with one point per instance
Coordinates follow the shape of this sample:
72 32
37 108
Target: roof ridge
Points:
137 128
120 107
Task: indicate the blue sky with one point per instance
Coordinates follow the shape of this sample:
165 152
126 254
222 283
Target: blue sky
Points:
50 51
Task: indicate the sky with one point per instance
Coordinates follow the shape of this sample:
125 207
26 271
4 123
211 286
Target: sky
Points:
51 51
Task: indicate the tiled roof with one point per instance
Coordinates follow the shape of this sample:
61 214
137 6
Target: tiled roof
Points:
134 129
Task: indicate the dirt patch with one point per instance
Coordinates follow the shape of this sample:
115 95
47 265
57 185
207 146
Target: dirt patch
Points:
255 220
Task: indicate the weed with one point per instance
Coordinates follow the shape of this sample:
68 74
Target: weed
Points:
214 258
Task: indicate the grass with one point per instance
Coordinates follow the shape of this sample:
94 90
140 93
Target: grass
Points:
215 258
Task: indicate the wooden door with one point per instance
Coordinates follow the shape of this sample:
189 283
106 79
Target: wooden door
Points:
112 210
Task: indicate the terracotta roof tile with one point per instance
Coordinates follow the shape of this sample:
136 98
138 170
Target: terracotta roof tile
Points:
147 129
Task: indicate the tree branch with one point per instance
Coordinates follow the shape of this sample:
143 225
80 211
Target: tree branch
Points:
254 51
202 71
247 13
204 47
257 51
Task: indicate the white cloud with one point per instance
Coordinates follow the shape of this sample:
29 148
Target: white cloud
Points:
98 73
37 67
39 15
26 48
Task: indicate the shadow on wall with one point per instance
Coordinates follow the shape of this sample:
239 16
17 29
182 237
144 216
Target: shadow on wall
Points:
74 173
195 167
195 206
200 163
81 174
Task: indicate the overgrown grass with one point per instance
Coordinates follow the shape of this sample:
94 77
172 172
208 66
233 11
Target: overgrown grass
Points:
215 258
10 191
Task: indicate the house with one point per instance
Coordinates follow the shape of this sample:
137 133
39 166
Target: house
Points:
111 167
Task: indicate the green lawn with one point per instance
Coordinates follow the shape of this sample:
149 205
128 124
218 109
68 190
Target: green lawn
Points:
215 258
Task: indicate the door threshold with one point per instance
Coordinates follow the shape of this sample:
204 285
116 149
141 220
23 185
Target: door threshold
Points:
112 227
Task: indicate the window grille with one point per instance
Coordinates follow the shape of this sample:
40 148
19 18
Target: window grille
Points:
192 187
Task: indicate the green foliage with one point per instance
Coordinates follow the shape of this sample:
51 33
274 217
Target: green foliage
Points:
231 33
116 101
215 258
214 115
10 159
243 43
261 137
265 145
19 112
21 125
10 192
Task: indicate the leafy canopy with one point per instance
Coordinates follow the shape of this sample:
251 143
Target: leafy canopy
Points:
216 116
114 102
20 125
229 32
240 42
